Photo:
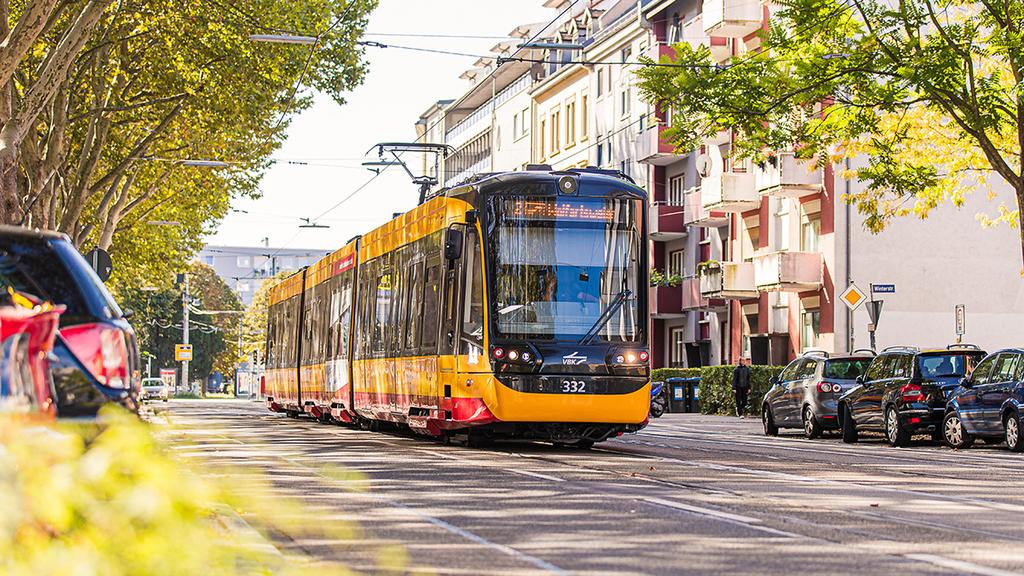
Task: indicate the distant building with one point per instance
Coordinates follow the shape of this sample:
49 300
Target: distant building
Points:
244 268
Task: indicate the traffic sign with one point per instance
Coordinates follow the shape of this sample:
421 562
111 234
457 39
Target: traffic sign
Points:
182 352
883 288
960 319
874 310
100 262
853 297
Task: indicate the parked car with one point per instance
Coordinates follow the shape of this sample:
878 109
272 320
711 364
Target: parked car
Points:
988 404
804 395
904 392
96 357
153 389
26 340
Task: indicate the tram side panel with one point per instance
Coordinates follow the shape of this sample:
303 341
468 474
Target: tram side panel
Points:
338 353
311 372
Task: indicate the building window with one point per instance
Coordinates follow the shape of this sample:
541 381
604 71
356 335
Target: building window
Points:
810 323
627 53
540 139
609 75
751 238
600 152
624 167
625 100
677 354
674 30
242 261
583 116
209 260
748 326
556 130
515 126
600 82
810 227
781 237
676 263
570 123
676 189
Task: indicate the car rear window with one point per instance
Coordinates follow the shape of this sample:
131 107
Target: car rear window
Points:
846 369
50 269
946 365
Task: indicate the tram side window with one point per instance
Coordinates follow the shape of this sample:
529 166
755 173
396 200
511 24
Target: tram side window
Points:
381 312
364 301
431 308
414 297
473 297
396 317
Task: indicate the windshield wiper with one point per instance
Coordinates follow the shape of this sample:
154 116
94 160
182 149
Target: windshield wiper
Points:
605 316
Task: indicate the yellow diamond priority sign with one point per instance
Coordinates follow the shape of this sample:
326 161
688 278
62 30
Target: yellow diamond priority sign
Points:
852 297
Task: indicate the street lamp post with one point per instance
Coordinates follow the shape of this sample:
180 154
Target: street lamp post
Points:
185 301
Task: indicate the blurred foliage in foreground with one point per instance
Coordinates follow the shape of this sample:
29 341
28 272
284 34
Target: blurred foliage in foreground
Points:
77 499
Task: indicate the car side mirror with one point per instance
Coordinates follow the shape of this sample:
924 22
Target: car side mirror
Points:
773 380
453 243
860 379
965 382
126 314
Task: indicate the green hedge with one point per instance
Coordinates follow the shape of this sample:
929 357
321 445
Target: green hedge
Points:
716 395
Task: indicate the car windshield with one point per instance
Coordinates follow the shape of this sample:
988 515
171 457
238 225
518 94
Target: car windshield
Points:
846 369
565 266
945 365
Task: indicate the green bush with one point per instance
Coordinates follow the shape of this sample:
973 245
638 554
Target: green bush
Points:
716 395
110 500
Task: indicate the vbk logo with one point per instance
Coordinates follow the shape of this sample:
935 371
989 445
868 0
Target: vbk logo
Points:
574 359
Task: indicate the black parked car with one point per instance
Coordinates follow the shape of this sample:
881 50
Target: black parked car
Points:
805 394
989 403
904 392
96 353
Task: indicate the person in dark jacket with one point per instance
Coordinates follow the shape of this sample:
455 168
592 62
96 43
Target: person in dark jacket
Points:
741 385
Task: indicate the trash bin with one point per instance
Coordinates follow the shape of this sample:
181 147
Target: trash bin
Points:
683 394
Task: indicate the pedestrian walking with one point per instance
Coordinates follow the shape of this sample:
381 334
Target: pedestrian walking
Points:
741 385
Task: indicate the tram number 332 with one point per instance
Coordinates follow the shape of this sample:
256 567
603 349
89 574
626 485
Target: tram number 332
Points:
574 386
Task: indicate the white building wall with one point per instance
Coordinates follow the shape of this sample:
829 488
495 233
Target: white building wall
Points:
937 263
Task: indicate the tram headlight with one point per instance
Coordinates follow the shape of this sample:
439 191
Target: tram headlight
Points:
631 358
513 355
643 356
499 353
628 357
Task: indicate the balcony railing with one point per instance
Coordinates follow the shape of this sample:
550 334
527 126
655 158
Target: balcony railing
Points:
730 280
788 271
730 192
666 222
666 301
694 213
691 296
651 150
789 177
731 18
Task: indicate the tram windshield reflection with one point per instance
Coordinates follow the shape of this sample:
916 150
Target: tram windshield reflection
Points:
558 262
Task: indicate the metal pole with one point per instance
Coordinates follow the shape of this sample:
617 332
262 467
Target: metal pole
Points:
185 299
241 323
871 292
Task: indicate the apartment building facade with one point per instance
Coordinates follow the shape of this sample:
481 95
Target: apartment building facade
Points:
748 260
245 268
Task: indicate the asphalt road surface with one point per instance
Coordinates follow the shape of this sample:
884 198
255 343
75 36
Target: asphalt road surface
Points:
690 494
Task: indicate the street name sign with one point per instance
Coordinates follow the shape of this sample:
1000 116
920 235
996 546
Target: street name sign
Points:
883 288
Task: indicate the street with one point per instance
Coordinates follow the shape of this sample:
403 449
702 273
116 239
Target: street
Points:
689 494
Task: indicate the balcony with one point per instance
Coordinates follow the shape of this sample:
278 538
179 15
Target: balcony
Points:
693 34
730 192
730 280
731 18
789 177
651 150
694 213
788 271
666 222
691 296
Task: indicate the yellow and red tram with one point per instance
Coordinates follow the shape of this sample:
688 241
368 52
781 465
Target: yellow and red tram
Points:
514 305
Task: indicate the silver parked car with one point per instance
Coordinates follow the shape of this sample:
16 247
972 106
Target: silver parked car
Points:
805 394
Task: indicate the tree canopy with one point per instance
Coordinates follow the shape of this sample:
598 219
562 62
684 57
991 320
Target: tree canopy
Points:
103 102
931 93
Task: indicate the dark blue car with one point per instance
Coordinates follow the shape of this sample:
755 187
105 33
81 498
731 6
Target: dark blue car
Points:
988 404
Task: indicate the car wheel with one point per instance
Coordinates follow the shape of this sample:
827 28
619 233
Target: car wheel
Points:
1014 433
953 433
893 431
770 429
847 427
811 427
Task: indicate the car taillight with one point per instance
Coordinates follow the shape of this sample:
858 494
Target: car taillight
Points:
102 350
911 393
829 387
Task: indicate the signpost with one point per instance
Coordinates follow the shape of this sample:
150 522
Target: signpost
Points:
960 321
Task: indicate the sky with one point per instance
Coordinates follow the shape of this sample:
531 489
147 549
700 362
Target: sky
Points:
332 141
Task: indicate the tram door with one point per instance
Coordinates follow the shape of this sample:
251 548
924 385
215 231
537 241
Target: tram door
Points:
448 346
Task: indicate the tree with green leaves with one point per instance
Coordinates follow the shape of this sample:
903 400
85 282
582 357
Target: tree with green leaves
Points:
96 146
930 93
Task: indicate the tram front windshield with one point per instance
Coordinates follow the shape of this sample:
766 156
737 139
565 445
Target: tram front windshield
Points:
565 268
